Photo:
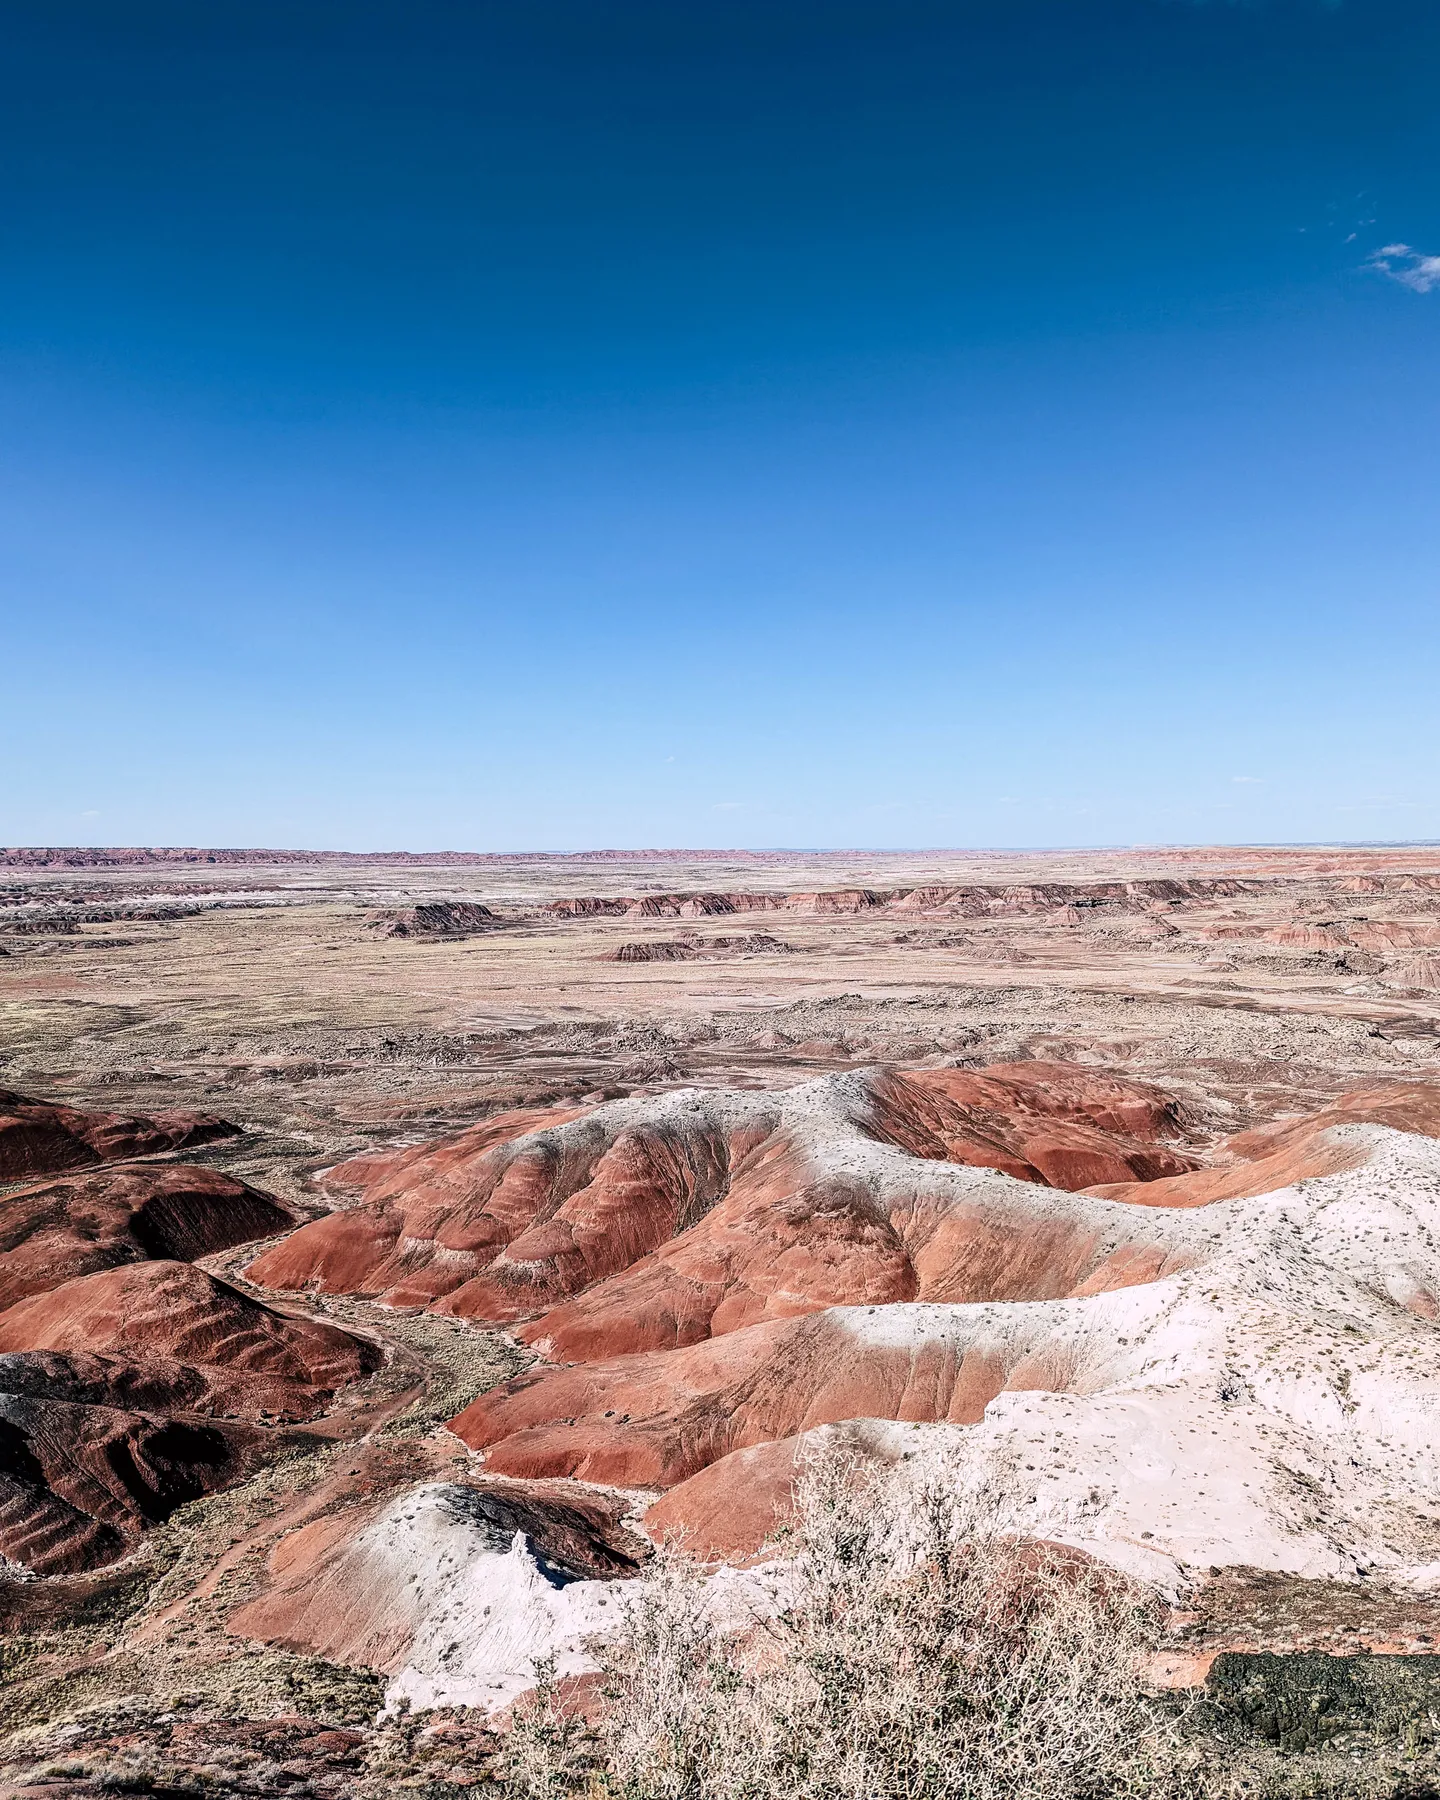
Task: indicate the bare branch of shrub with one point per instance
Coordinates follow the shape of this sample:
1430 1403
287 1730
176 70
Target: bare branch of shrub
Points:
923 1654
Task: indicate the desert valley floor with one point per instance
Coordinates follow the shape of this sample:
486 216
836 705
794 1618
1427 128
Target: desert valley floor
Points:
395 1249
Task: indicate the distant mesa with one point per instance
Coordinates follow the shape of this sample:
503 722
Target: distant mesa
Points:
967 900
657 951
695 949
437 919
41 1137
185 856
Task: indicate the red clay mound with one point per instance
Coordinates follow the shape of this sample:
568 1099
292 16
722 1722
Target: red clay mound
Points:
168 1317
638 1194
654 1420
506 1217
447 1200
80 1480
779 1244
718 1214
1055 1123
83 1223
787 1240
128 1391
727 1511
38 1138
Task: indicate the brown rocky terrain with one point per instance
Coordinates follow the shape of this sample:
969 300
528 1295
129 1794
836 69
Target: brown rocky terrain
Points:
1115 1170
40 1137
78 1224
130 1381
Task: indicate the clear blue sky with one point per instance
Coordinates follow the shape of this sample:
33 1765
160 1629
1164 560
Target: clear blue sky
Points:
549 424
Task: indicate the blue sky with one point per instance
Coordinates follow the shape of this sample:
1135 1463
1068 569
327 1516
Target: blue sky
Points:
571 423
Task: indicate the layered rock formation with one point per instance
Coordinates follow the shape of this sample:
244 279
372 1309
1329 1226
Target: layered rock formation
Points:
1258 1394
694 949
712 1276
435 919
126 1393
193 1337
1168 1351
939 899
82 1473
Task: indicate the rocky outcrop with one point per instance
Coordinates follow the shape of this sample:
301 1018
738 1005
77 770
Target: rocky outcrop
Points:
659 950
40 1137
449 1589
694 949
435 919
357 1586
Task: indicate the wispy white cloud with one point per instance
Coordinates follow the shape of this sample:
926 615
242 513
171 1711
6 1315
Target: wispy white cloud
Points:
1250 780
1411 268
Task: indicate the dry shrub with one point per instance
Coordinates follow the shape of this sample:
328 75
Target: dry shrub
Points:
923 1654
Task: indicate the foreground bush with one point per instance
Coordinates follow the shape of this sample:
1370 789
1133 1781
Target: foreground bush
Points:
920 1655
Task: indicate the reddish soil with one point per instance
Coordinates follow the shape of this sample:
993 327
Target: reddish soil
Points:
130 1380
84 1474
252 1361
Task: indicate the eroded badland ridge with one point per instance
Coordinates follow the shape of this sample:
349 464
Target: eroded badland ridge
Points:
396 1248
